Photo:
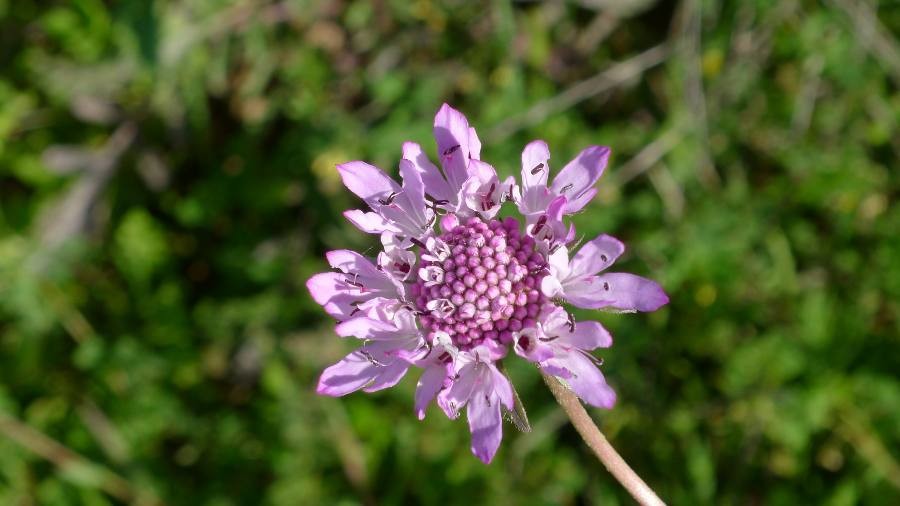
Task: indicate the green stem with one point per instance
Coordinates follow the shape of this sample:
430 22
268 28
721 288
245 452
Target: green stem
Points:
597 442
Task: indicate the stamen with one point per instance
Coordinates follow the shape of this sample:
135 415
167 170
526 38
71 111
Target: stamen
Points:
389 200
355 281
371 359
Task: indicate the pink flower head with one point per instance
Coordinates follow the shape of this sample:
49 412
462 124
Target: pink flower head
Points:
452 300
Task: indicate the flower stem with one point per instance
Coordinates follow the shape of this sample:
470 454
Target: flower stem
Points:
597 442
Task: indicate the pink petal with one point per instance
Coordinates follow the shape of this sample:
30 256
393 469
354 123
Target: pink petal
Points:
413 190
330 290
502 388
474 145
388 376
367 181
550 286
555 370
370 223
588 336
483 171
378 308
559 262
629 292
364 327
435 184
352 262
586 380
529 346
430 383
325 286
449 222
535 165
578 202
357 371
486 424
578 176
553 230
455 397
585 292
596 255
451 131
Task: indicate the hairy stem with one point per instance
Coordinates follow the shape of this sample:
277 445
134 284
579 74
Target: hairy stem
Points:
597 442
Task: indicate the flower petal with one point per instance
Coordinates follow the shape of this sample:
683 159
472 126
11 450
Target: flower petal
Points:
535 165
578 176
596 255
367 181
451 131
455 397
550 286
428 386
364 327
586 380
352 262
483 171
474 145
449 222
528 345
358 370
388 376
325 286
629 292
502 387
330 290
486 424
413 190
588 336
585 292
435 184
370 223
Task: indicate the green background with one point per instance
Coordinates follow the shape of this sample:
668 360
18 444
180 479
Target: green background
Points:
167 185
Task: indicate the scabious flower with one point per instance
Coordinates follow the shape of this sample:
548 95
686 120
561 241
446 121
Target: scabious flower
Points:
456 288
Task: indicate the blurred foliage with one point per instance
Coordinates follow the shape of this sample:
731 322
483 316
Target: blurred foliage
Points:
167 186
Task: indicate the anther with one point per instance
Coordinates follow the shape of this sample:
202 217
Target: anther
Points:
371 359
389 200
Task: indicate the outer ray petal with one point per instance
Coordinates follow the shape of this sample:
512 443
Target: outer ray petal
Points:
356 371
586 380
578 176
430 383
486 424
367 181
596 255
435 184
451 131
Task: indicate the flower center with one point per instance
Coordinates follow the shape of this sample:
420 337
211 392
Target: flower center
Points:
481 283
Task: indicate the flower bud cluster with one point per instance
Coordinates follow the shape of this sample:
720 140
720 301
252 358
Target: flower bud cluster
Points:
482 282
